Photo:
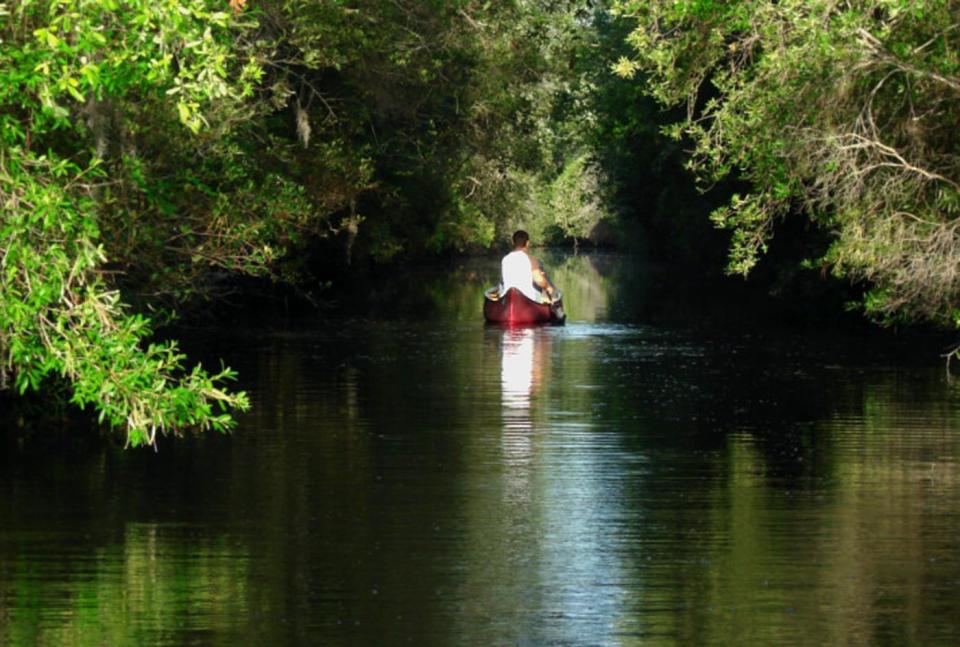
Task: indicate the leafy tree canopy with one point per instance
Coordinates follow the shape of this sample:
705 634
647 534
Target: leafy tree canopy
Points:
843 111
155 149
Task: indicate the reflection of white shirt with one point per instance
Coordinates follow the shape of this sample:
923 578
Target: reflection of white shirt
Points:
517 273
516 368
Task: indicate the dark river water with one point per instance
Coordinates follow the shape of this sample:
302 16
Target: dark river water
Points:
627 479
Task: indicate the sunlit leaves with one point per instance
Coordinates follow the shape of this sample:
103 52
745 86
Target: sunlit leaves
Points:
57 318
157 147
836 110
68 70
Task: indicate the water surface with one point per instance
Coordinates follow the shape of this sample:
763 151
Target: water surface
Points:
622 480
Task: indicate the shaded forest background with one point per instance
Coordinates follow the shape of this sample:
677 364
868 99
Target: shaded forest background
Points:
159 156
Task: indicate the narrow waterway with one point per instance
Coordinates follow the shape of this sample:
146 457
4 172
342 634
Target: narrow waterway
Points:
428 480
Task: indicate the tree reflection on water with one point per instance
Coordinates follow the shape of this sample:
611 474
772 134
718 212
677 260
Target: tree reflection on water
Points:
439 482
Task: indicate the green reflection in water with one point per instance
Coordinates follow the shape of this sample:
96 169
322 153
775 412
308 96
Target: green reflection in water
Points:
858 550
162 585
453 484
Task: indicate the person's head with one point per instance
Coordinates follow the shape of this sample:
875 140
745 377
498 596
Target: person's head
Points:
520 239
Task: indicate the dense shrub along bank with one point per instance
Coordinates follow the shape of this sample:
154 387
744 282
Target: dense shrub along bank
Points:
843 113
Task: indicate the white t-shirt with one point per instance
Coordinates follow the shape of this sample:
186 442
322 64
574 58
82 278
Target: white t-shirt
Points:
516 272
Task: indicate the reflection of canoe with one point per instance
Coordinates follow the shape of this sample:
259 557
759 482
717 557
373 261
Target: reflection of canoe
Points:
515 308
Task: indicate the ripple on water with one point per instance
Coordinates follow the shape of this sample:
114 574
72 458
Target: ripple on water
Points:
453 484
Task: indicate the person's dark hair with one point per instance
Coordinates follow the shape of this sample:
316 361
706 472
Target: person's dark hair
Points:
520 238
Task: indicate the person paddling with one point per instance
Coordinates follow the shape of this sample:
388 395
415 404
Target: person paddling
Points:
524 272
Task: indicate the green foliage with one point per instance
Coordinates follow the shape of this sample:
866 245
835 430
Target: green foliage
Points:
62 66
572 204
842 111
169 146
57 318
460 106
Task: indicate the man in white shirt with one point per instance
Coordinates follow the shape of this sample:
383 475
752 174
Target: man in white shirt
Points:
524 272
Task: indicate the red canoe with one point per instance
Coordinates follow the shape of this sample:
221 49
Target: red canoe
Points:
515 308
